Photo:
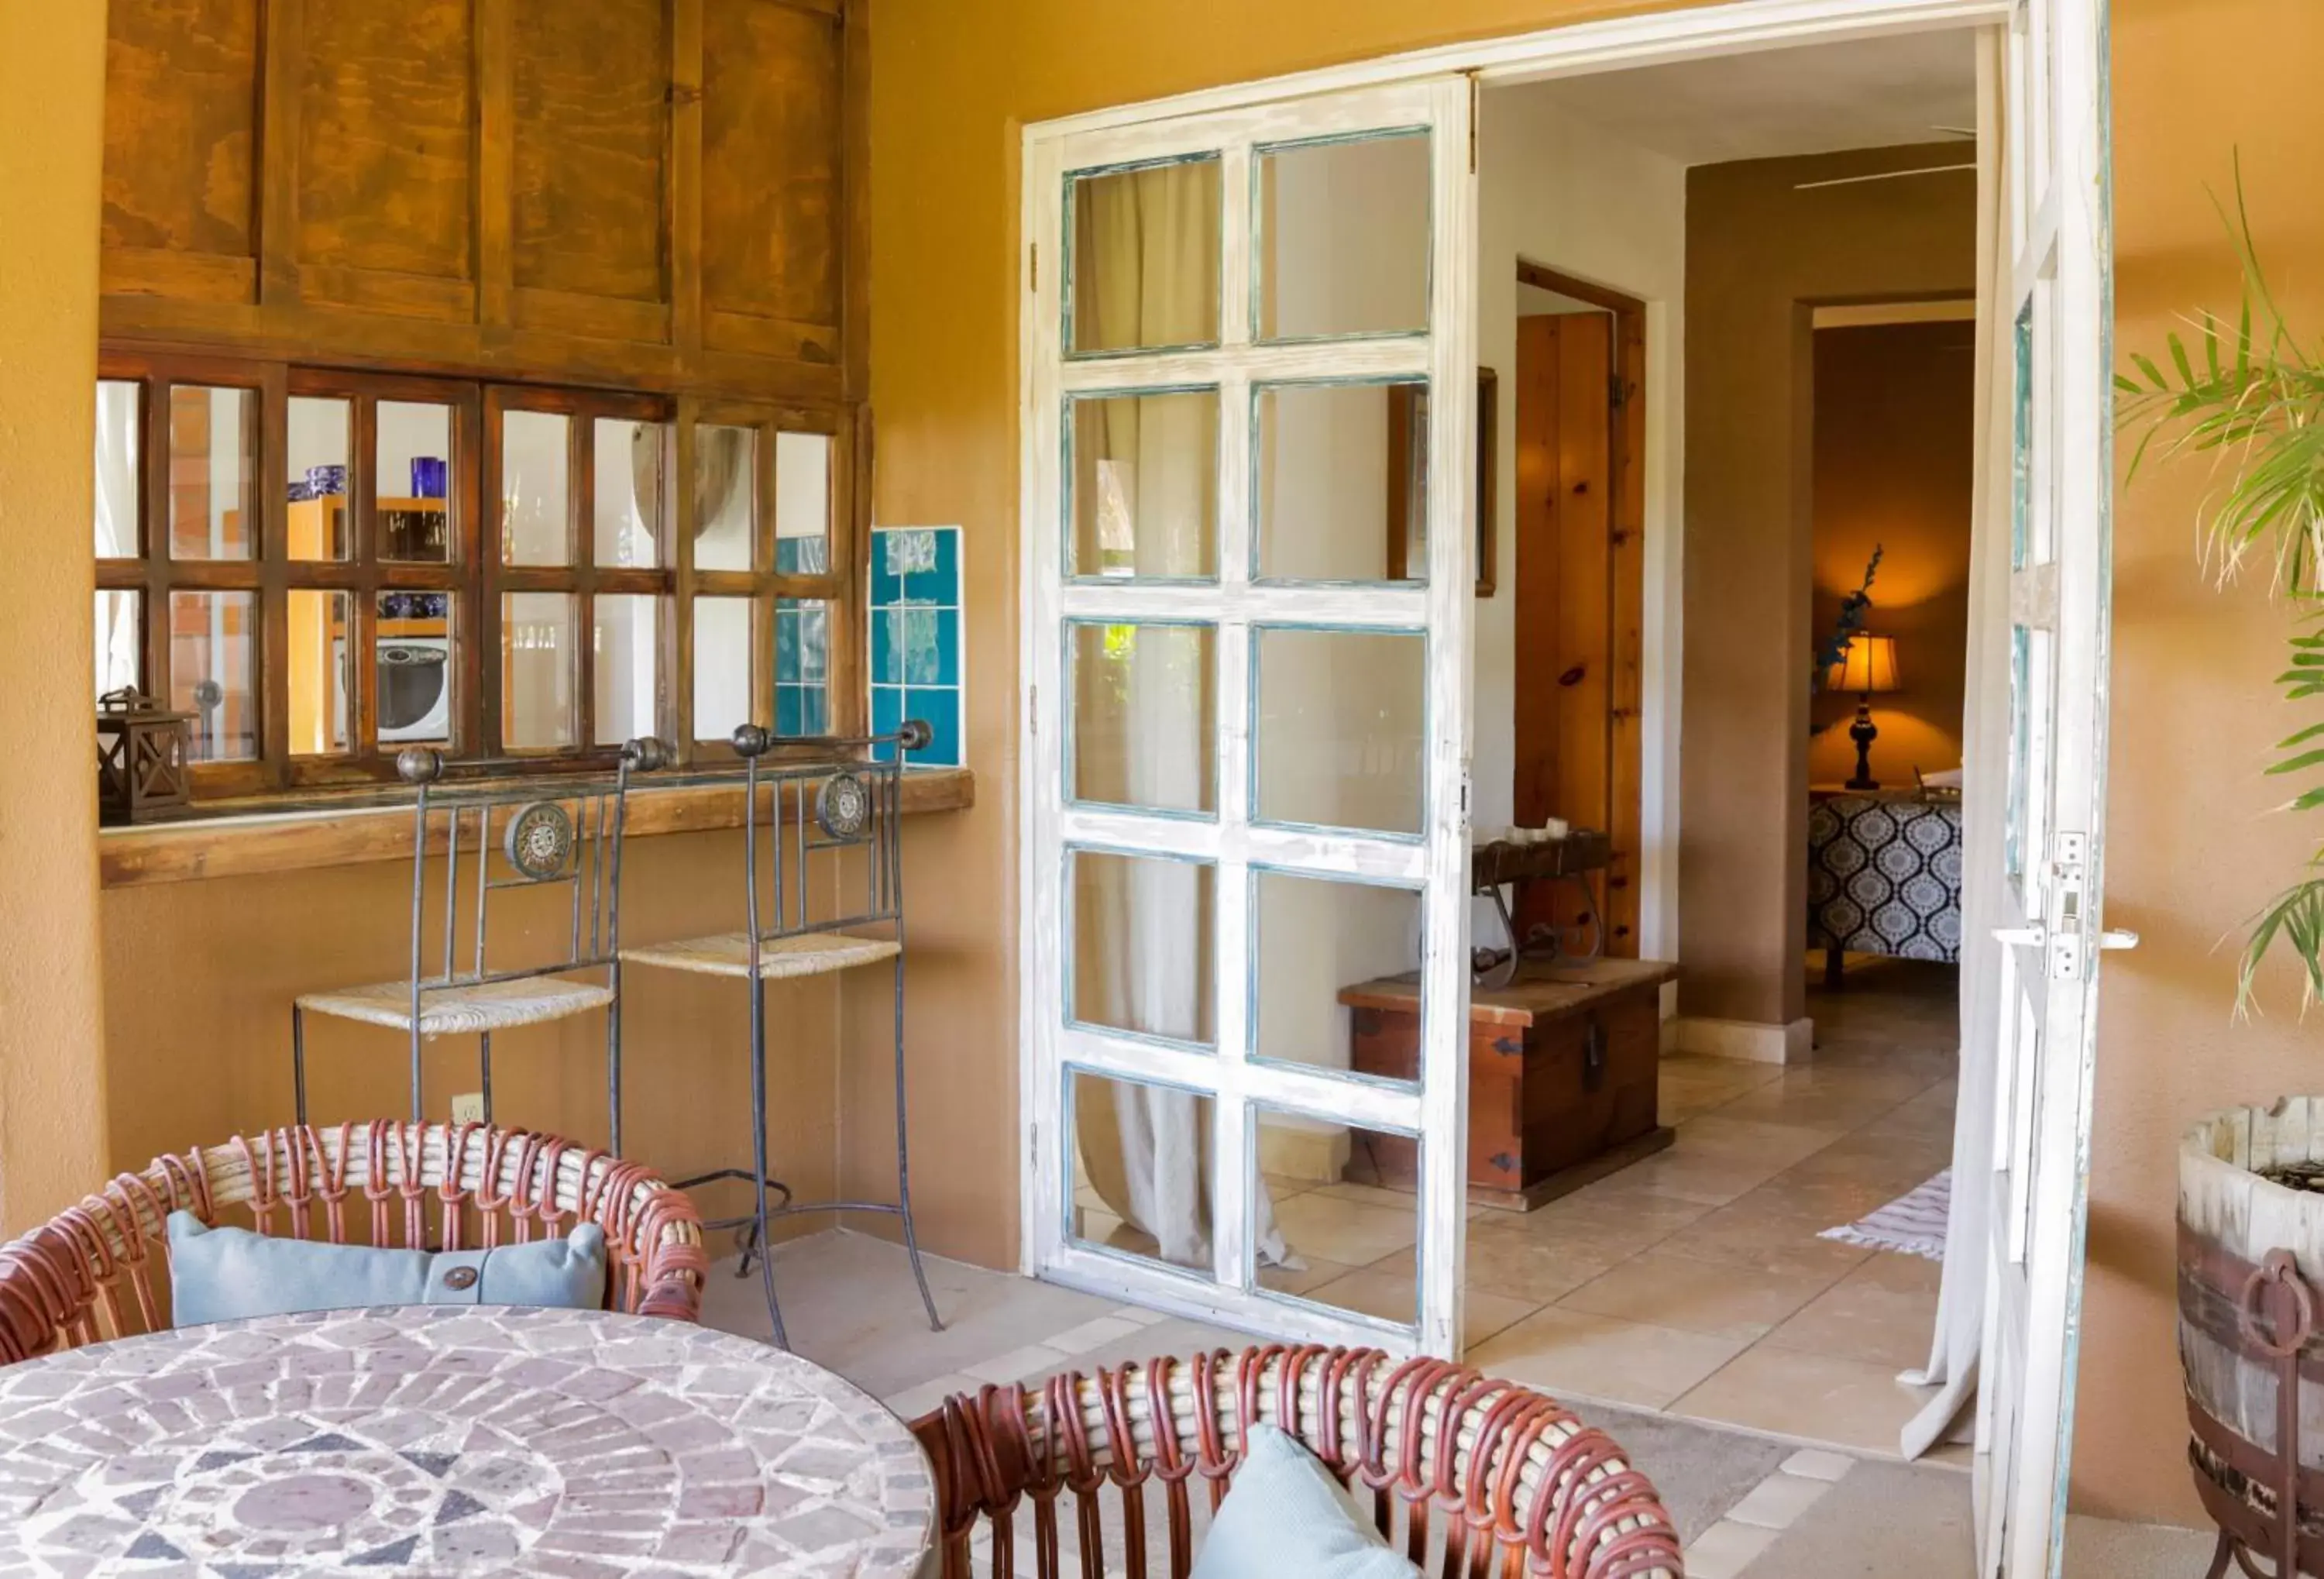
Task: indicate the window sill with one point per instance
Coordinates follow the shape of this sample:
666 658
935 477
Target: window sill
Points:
243 846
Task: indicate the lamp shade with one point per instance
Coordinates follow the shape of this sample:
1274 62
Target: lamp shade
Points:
1866 667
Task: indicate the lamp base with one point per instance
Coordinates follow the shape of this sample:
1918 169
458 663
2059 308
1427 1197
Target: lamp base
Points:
1863 733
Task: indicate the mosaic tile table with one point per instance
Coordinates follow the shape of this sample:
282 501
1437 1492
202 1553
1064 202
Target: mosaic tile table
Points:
443 1440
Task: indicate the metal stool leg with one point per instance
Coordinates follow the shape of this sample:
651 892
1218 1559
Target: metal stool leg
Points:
485 1070
764 1246
613 1060
904 1164
299 1063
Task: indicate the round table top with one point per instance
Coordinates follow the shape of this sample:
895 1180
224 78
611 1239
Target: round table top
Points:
439 1439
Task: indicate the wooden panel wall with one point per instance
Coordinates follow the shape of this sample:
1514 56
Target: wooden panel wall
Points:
655 194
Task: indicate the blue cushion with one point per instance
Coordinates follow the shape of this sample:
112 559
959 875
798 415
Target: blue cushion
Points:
1286 1515
225 1274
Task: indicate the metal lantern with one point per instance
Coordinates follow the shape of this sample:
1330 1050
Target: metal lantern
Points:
141 759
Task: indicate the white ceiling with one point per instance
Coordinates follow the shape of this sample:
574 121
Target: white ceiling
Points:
1865 93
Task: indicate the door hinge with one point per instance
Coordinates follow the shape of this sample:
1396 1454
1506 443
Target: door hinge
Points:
1617 393
1033 267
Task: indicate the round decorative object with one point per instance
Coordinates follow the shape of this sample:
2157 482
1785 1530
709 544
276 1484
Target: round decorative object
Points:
915 735
539 841
843 806
418 764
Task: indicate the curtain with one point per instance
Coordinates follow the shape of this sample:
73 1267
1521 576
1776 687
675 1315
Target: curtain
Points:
719 455
1984 761
117 449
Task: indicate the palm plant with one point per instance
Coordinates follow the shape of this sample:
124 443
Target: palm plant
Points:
2252 399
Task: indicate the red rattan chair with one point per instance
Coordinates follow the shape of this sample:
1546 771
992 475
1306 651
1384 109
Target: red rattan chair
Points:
1468 1476
100 1269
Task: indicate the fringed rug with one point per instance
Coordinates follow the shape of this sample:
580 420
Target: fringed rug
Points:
1913 1223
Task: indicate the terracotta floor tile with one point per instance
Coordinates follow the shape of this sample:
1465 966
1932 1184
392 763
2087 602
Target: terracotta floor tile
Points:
1513 1261
1866 1317
1372 1292
1698 1296
1576 1354
1814 1398
1759 1236
1320 1225
1299 1279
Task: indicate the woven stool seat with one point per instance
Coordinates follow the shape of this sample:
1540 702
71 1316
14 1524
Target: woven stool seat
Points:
463 1010
803 953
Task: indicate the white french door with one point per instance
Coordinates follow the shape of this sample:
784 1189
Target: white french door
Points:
2055 166
1248 367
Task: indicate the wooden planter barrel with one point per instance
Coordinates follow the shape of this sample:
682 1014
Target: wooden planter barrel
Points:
2251 1331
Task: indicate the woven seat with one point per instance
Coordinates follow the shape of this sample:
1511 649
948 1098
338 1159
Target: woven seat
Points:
101 1270
800 954
464 1009
1467 1476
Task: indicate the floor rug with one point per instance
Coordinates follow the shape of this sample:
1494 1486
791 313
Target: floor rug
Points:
1913 1223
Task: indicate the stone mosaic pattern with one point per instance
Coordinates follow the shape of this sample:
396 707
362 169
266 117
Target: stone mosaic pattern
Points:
451 1440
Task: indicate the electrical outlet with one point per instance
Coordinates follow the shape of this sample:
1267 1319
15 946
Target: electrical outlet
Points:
468 1108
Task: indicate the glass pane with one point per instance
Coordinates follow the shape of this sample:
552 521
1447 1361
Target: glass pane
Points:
411 479
411 662
1323 949
1141 959
1341 473
2021 448
627 641
633 464
120 644
1144 703
322 699
1344 238
725 493
1146 485
536 493
1141 1171
803 503
539 651
802 667
120 446
1144 266
320 439
212 638
1341 736
1345 1204
722 666
212 473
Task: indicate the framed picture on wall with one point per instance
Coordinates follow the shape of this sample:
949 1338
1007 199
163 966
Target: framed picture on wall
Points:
1407 478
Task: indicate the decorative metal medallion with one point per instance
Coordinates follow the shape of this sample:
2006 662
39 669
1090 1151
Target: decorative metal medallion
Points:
539 841
843 806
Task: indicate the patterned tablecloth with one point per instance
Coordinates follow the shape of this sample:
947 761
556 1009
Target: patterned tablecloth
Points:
1885 876
442 1440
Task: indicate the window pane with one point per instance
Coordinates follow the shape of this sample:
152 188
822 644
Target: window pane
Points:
412 482
802 503
536 493
321 700
1353 1240
1118 1126
1340 738
1146 485
1344 238
1338 464
626 638
120 644
632 465
212 473
722 666
725 493
119 485
211 639
1319 946
412 653
1142 933
1144 719
319 442
802 667
1144 266
539 652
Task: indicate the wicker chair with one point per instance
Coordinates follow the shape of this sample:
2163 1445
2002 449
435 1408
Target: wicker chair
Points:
1517 1486
100 1269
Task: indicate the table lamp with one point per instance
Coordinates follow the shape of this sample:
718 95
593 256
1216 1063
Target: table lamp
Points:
1866 667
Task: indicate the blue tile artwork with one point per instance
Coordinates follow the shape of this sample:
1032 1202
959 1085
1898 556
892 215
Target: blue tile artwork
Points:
918 662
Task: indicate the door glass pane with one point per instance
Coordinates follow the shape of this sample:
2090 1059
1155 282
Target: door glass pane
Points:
411 481
412 668
1144 481
631 463
212 473
722 666
322 699
627 640
538 654
1340 739
1144 271
1340 477
1343 1202
2021 449
120 446
1142 960
536 495
726 495
213 636
802 667
1334 981
120 643
1342 237
802 503
1142 1171
1144 715
320 439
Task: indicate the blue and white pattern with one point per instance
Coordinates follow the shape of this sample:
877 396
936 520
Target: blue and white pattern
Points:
919 663
1885 877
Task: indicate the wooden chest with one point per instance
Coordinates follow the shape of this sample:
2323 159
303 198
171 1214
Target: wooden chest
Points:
1563 1064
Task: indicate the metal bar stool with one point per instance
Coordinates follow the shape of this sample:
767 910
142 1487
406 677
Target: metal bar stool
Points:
844 804
571 836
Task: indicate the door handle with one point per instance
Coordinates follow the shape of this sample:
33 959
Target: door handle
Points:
2117 938
2033 936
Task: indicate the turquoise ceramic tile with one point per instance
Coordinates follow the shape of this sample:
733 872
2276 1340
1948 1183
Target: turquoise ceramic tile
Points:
787 710
787 643
940 709
887 715
935 573
803 556
922 633
814 642
886 646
